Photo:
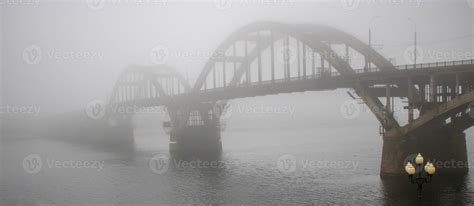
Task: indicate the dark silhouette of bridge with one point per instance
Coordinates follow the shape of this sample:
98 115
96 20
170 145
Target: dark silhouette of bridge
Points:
313 58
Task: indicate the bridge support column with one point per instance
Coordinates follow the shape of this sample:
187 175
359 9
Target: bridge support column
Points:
196 140
196 134
445 149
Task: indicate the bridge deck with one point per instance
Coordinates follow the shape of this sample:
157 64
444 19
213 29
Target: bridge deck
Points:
444 71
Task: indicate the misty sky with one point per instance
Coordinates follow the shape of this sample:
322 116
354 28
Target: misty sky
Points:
116 34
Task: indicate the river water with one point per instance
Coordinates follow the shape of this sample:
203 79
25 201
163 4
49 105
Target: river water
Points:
341 167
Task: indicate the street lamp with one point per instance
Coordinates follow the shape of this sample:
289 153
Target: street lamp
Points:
370 38
415 52
415 174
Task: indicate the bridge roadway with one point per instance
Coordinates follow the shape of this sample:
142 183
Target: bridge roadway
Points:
445 73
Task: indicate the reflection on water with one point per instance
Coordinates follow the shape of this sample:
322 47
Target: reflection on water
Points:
332 169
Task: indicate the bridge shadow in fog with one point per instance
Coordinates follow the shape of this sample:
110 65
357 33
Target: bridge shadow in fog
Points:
443 190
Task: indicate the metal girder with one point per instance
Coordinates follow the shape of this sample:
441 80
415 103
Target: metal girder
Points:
316 37
138 77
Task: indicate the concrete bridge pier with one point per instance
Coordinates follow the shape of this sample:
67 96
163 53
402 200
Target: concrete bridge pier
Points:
120 129
445 149
199 136
196 141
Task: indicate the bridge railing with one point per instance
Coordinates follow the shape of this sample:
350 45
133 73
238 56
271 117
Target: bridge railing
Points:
357 71
431 65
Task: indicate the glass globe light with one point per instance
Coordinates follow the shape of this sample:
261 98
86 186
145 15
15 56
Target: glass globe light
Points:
419 159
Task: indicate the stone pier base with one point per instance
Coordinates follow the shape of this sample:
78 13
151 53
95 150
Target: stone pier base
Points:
196 141
445 149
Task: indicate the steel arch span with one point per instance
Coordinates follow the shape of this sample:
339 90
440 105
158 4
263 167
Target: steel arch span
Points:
140 84
239 57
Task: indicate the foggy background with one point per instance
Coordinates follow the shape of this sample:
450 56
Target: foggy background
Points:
120 33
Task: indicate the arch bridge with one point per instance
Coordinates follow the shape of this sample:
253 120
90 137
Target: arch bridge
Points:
269 58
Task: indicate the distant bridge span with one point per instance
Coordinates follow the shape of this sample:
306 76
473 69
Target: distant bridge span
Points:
268 58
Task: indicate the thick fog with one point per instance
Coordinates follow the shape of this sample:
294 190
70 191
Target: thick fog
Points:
120 33
58 57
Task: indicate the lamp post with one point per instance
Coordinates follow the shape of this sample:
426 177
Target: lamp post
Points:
370 39
415 52
416 174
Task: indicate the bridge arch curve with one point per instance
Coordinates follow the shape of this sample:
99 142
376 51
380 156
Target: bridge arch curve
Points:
317 38
145 83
